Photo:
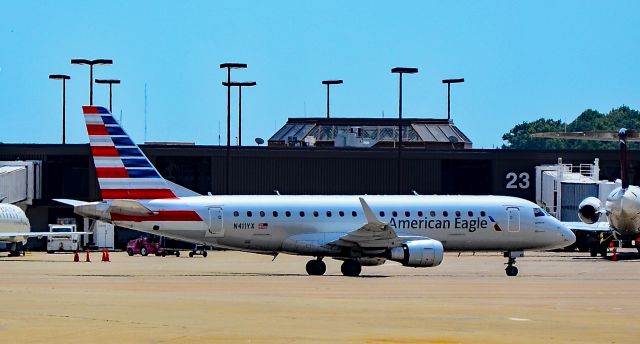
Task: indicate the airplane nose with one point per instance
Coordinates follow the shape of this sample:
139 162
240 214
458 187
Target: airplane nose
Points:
568 235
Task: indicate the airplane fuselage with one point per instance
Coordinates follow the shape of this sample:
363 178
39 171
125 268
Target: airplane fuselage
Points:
623 209
12 219
303 224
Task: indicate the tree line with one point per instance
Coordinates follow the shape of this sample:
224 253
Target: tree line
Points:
589 120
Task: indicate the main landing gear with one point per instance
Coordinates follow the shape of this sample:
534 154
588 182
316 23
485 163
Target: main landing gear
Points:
511 270
316 267
351 268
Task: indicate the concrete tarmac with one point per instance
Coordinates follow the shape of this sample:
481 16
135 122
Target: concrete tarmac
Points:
232 297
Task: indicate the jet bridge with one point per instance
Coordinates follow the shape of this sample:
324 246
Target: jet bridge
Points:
561 187
20 181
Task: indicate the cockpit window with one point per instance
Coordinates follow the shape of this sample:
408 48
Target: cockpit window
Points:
538 212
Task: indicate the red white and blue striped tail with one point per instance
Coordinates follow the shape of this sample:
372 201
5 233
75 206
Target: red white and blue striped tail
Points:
123 171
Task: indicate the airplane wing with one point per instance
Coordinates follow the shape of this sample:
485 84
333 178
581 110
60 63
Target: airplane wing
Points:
373 234
22 236
596 227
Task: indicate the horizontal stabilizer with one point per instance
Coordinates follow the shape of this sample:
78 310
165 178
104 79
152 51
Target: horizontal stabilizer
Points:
71 202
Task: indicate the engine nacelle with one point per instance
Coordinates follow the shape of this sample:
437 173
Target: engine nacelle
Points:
589 210
418 253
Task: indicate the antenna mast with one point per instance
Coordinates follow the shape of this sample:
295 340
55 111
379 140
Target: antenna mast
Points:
145 112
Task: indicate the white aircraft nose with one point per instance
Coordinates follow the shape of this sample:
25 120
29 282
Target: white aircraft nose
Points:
568 235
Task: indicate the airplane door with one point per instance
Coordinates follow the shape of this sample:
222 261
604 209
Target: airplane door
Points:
513 218
216 228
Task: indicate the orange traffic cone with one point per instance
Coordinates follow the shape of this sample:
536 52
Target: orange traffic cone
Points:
106 255
615 254
75 257
88 258
103 254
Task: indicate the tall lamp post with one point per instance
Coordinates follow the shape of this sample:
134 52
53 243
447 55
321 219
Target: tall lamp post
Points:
91 63
239 85
329 83
449 82
401 71
64 79
110 82
229 66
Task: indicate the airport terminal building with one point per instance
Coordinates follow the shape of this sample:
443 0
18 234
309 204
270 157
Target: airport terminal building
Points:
310 156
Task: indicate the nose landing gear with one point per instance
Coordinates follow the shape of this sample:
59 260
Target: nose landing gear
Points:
511 270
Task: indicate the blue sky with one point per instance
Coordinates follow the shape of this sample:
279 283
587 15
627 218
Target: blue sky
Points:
521 60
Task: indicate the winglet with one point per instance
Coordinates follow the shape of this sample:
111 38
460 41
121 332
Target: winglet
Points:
368 213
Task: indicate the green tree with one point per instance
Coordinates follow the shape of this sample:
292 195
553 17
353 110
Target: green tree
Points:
589 120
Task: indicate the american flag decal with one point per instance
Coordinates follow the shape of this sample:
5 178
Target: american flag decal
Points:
263 226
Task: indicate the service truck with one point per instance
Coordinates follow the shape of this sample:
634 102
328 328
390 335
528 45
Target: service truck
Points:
65 241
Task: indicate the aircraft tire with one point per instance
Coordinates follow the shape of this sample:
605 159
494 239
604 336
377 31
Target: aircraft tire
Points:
511 271
316 267
351 268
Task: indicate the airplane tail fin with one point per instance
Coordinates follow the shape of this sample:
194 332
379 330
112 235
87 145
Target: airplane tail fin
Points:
123 171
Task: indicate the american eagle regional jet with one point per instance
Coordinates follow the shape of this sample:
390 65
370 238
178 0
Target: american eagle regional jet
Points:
358 230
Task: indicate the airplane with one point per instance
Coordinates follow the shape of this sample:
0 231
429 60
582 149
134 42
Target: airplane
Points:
622 206
361 231
15 228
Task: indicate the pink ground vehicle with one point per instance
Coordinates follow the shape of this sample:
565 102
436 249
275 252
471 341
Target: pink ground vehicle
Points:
145 247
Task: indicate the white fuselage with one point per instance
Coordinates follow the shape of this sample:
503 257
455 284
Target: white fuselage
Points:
623 209
303 224
12 219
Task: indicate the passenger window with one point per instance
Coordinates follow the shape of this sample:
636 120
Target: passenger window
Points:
328 213
236 214
302 214
483 214
382 214
407 214
457 213
341 213
470 213
394 213
419 213
287 213
432 213
315 214
354 214
262 213
249 213
275 214
445 213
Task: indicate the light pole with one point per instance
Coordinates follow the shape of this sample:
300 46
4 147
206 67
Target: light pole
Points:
449 82
110 82
229 66
91 63
401 71
239 85
328 83
64 79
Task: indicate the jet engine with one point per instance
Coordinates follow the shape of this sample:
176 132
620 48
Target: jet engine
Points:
589 210
418 253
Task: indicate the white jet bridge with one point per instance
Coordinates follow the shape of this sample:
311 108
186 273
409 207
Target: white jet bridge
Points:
561 187
20 182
